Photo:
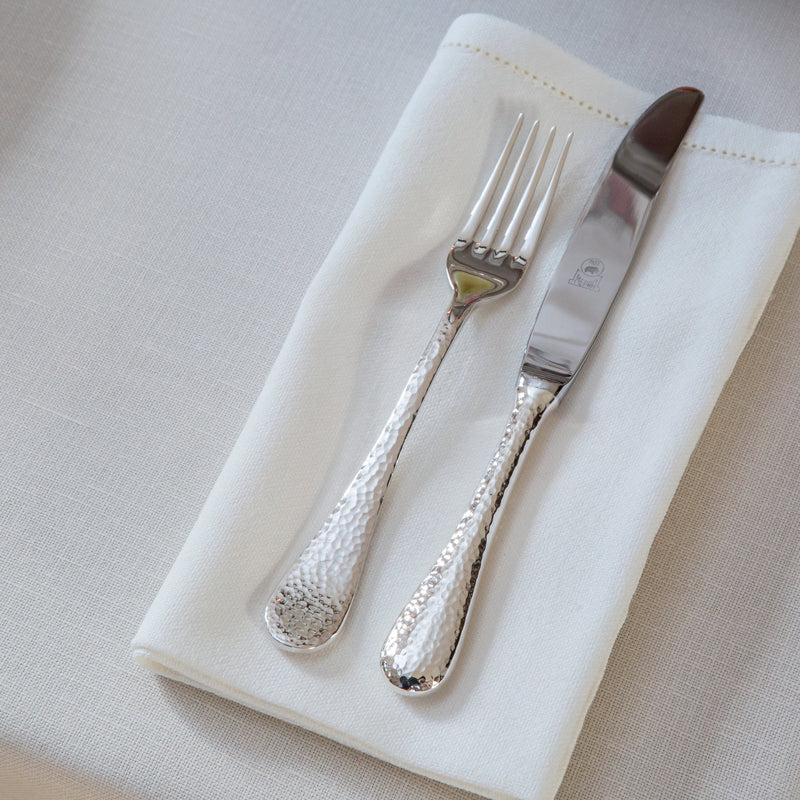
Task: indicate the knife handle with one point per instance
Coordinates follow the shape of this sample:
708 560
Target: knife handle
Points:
309 604
424 640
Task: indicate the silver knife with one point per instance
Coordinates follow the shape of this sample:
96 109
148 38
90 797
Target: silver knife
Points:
423 642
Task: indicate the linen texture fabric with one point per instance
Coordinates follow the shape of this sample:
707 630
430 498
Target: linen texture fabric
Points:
572 539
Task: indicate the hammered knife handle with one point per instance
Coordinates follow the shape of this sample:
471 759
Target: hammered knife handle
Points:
423 642
308 606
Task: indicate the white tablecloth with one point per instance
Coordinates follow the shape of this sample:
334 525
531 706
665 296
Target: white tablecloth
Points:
162 166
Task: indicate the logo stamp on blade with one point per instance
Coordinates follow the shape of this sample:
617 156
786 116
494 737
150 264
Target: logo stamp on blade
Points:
589 274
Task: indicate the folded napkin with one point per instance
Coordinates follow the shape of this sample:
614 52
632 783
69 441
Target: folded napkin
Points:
596 480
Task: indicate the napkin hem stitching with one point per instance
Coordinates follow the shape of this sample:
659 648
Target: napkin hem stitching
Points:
504 62
590 107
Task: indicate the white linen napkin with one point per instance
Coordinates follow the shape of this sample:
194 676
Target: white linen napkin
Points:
574 533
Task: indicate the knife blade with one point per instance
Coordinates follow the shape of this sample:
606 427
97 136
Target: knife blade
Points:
605 239
423 643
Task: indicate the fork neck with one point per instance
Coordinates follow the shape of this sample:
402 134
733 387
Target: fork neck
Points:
458 309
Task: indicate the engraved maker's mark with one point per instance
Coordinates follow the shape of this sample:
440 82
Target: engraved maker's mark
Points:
589 274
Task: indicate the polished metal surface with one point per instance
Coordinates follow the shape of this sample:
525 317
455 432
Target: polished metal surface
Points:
601 248
587 279
647 151
423 642
311 601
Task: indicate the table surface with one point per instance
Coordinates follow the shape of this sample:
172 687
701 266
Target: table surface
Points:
162 164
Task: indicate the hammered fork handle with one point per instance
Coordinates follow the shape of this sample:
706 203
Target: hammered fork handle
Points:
310 603
423 642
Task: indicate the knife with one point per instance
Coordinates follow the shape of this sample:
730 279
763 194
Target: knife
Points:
423 642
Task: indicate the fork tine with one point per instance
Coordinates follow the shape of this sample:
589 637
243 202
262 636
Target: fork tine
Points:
487 237
522 207
531 239
477 213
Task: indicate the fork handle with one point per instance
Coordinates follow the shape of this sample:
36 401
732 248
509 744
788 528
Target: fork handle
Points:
308 606
424 640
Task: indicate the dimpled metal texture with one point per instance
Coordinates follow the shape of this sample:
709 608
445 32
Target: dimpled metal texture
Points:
309 605
423 642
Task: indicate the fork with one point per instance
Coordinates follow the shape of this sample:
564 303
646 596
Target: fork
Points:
310 603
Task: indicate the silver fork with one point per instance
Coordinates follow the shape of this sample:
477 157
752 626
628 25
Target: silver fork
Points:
309 604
